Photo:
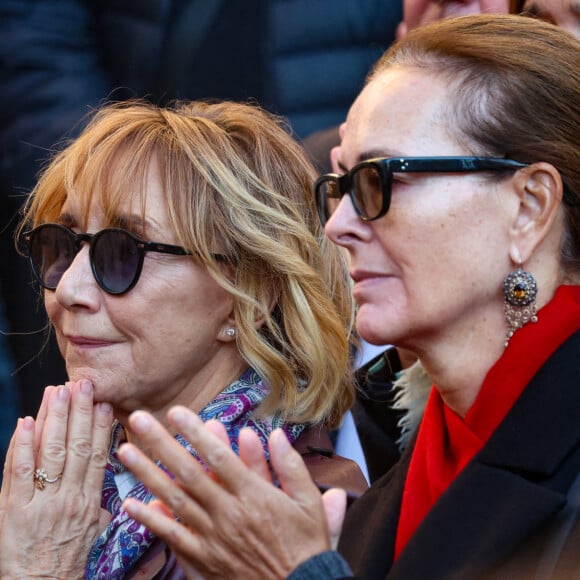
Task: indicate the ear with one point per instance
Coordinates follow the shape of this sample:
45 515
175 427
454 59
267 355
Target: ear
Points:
540 190
335 151
228 331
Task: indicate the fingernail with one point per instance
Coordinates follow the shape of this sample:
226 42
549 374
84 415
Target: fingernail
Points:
127 455
178 417
141 422
27 423
131 506
279 439
63 393
86 387
181 417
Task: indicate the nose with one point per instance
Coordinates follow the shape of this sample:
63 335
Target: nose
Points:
77 286
344 225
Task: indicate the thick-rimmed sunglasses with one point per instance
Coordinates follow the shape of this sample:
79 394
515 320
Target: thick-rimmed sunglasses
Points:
369 183
116 255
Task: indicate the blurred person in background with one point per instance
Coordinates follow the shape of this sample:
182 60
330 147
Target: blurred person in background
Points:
8 394
419 12
563 13
60 59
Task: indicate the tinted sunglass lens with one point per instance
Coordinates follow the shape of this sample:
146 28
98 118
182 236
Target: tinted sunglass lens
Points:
327 198
52 249
367 191
115 260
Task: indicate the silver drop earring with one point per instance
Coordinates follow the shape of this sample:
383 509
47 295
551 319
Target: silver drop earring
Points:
519 293
231 332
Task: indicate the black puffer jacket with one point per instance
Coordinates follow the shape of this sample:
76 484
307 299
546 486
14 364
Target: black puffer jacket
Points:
305 59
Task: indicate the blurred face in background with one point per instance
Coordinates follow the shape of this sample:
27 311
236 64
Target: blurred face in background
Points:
419 12
562 13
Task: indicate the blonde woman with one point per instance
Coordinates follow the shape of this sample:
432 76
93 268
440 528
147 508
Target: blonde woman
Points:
181 262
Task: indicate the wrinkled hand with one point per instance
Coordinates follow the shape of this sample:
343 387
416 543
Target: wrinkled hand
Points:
233 523
48 532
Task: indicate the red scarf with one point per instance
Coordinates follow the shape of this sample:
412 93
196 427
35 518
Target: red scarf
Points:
446 442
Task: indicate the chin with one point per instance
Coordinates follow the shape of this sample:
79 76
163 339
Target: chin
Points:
374 333
376 325
77 373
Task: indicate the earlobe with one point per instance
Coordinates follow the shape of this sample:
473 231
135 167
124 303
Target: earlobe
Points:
228 332
540 190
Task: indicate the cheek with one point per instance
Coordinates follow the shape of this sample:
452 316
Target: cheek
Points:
442 217
440 244
184 302
52 307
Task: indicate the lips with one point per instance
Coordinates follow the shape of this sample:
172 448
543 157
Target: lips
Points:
367 284
88 342
359 276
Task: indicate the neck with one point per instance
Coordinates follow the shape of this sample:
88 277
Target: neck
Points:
458 374
194 394
457 362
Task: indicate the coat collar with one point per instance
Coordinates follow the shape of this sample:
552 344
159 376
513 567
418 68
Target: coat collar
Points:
512 486
517 482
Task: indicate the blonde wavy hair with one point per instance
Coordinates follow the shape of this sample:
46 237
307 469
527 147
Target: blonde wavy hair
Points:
235 180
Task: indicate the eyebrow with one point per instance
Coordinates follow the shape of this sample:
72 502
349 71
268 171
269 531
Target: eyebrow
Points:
131 222
372 154
66 219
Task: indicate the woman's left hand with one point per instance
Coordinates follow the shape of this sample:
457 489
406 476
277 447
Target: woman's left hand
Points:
50 499
234 522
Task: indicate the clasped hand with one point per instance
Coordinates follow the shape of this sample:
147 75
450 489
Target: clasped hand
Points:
50 499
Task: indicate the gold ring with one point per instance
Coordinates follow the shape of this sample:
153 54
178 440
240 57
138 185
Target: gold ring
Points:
41 478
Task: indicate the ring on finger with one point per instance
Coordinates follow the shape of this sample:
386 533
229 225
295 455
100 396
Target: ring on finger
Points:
41 478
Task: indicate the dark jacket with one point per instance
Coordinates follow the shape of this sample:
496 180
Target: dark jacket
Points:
501 514
304 59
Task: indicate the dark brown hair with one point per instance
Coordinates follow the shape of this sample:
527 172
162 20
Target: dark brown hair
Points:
516 93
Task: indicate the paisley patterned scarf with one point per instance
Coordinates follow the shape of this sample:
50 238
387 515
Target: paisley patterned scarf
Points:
124 541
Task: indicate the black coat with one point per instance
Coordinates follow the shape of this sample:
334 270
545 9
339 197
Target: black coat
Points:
499 516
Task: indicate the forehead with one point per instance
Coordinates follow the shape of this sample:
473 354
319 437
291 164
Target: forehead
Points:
121 196
402 112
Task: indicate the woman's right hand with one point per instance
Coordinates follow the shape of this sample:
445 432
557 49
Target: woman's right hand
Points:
233 522
47 525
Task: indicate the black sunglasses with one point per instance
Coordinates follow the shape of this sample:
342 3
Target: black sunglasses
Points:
116 255
369 183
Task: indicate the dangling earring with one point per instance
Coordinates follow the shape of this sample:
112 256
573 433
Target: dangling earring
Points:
231 331
519 293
